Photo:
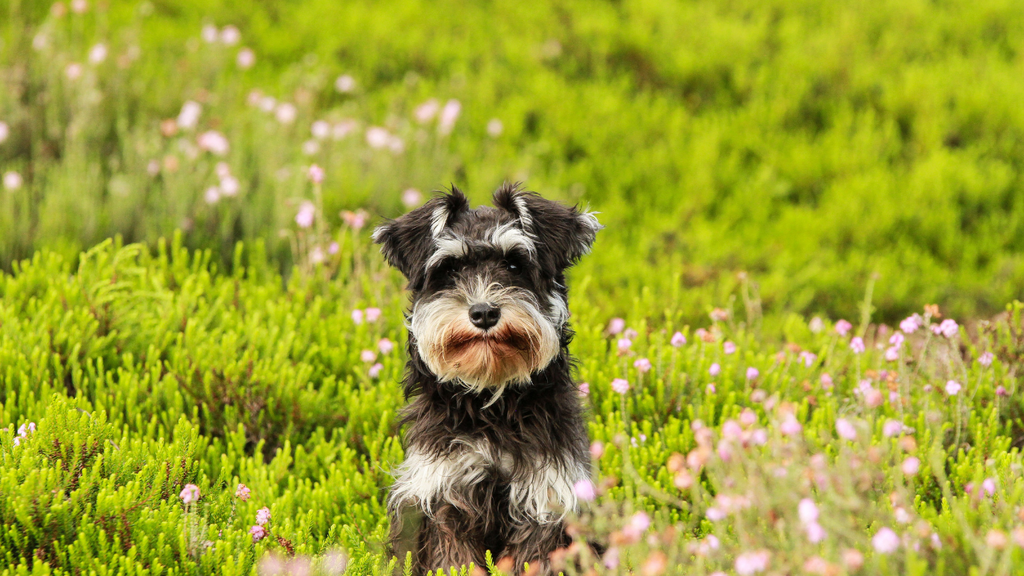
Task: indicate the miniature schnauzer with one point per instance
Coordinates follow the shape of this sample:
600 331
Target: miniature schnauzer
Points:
496 438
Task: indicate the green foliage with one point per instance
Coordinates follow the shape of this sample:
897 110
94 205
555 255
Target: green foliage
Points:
146 371
811 145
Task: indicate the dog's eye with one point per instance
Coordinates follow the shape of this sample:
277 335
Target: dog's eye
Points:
513 266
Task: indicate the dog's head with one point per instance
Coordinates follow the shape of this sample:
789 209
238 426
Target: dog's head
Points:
488 286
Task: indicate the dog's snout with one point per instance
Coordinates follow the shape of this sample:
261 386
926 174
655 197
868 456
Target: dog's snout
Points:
484 315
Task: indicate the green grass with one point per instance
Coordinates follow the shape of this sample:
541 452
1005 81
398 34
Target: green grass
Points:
763 169
148 371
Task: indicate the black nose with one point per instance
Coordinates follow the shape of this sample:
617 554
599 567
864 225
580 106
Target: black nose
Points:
484 316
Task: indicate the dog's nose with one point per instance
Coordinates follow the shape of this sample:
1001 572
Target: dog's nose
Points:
484 315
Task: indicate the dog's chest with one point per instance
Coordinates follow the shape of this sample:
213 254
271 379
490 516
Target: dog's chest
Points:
538 489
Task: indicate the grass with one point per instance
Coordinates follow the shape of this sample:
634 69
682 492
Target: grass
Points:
763 169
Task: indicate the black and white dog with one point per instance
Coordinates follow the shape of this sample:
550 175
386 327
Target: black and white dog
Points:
496 438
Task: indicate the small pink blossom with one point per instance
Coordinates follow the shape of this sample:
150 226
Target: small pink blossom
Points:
316 174
242 492
815 533
212 195
748 417
320 129
910 324
732 431
729 347
1001 391
885 541
700 334
345 84
425 112
808 358
842 327
845 429
714 369
584 490
953 387
229 35
620 385
375 370
357 316
892 428
986 359
449 114
949 328
752 373
372 315
494 127
189 494
808 511
367 356
791 426
710 388
752 562
678 339
630 333
258 533
385 346
97 54
872 397
911 466
596 449
643 365
896 339
611 558
213 142
246 58
263 516
718 315
305 215
355 220
411 197
624 344
285 112
989 486
826 381
892 354
857 345
5 132
584 389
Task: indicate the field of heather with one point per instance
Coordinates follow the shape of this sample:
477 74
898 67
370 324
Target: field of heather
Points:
799 336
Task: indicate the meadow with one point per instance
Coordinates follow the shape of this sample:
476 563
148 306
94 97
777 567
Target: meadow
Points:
798 335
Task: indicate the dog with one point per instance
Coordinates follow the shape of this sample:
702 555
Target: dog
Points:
495 437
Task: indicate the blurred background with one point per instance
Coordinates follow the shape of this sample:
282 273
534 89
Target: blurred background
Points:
793 153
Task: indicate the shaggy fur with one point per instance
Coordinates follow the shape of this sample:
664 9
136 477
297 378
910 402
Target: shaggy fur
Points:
495 437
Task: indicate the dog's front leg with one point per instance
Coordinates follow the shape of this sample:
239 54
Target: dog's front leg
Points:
534 542
450 538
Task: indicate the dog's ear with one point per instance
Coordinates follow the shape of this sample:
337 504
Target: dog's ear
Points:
408 241
564 233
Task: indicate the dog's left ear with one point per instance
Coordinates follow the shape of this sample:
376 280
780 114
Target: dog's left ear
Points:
408 241
565 233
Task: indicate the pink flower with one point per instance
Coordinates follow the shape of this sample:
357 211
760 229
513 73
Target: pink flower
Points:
377 137
729 347
752 373
949 328
230 35
357 316
212 195
892 428
953 387
986 359
892 354
640 521
752 562
320 129
246 58
1001 391
619 385
896 339
872 397
584 490
97 54
258 533
911 466
584 389
989 486
449 114
494 127
304 218
229 186
611 558
643 365
385 346
885 541
355 220
826 381
815 533
411 197
372 314
5 132
367 355
678 339
374 371
791 426
189 115
316 174
263 516
710 388
242 492
910 324
425 112
714 369
345 84
718 315
748 417
846 430
857 345
808 358
189 494
732 431
808 511
842 327
213 142
596 449
630 333
624 344
26 429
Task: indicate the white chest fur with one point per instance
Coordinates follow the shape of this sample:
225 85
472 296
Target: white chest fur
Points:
541 492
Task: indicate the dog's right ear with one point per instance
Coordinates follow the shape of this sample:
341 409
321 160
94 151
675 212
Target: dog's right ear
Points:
408 241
